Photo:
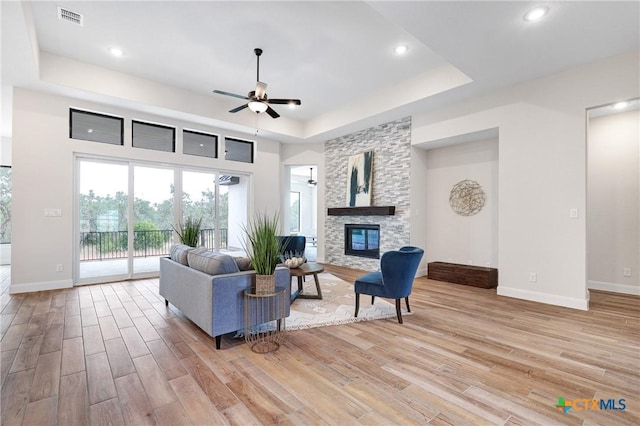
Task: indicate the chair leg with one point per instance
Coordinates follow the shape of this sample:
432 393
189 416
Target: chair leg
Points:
406 299
357 304
398 311
218 341
373 298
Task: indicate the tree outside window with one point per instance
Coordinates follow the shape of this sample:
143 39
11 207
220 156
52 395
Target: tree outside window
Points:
5 204
294 214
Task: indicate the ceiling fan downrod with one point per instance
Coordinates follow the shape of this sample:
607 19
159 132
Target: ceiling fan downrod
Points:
258 52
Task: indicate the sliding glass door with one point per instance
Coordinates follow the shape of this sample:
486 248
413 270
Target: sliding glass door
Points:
222 208
103 220
127 212
153 215
199 203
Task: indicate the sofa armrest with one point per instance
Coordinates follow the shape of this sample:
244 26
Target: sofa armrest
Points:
188 290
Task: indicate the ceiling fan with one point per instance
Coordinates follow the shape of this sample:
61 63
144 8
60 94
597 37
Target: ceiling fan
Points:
311 182
258 101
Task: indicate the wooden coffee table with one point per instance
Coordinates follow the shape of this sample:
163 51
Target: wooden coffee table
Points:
302 271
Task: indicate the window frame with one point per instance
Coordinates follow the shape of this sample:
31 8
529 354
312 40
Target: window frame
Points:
297 194
97 114
251 143
161 126
199 132
3 166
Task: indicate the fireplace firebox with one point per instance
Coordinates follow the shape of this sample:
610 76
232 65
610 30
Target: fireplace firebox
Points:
362 240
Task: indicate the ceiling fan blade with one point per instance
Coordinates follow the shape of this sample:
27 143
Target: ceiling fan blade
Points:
240 108
261 90
284 101
220 92
272 112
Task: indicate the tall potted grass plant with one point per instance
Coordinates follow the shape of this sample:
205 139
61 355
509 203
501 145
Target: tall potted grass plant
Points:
189 231
263 247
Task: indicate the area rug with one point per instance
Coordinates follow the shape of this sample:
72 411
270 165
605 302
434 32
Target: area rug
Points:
336 307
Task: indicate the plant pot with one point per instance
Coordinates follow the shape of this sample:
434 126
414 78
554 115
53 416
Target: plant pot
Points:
265 284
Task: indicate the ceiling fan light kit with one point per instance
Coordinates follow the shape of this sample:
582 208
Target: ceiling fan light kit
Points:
258 107
258 101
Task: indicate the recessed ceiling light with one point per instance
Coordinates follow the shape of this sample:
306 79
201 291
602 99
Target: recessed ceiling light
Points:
621 105
401 49
536 14
116 52
89 130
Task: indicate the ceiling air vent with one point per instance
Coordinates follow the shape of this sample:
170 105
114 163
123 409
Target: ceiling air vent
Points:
69 16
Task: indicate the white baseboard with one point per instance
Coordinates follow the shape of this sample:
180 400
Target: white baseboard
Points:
550 299
42 286
615 288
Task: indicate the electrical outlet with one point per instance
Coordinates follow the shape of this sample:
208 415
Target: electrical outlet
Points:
626 272
59 267
573 213
533 277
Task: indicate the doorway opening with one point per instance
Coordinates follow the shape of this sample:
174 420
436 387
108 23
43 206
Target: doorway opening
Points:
613 197
300 216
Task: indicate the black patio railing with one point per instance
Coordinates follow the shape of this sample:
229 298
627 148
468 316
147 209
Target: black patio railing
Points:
113 244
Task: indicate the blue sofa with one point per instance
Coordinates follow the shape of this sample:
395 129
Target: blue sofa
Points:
209 287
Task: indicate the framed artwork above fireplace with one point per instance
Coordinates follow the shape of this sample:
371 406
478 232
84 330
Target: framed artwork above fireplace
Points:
359 179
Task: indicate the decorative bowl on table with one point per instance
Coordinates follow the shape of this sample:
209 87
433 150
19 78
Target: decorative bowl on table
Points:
294 262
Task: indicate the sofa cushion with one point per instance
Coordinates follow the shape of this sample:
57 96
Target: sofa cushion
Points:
244 263
211 262
179 252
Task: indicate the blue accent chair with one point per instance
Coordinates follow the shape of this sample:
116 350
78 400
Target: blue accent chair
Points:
394 281
293 245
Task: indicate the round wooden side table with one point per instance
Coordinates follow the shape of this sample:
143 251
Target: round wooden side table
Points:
303 270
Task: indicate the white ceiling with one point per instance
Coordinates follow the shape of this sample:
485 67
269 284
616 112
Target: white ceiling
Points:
337 57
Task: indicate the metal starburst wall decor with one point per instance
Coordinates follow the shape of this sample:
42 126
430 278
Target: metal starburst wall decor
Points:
467 198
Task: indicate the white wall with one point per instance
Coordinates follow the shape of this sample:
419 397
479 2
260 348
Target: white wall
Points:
613 202
299 155
5 160
542 145
419 205
308 207
471 240
5 151
43 160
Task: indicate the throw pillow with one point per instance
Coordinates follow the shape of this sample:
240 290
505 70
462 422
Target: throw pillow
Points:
244 263
179 252
211 262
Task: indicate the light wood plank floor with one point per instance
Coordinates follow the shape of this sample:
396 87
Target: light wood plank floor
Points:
113 353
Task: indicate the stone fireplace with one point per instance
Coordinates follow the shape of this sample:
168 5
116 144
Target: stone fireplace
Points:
391 146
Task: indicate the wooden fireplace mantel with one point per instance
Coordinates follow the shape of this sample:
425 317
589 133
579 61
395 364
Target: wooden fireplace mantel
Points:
362 211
